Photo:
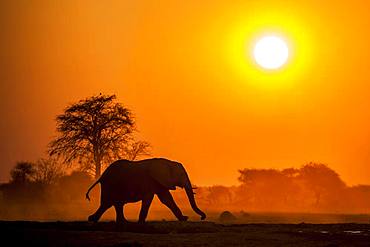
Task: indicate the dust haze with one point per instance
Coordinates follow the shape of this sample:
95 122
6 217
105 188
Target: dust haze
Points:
311 193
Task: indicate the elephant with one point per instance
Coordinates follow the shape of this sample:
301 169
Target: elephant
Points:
127 181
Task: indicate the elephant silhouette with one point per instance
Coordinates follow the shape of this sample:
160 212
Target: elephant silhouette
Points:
127 181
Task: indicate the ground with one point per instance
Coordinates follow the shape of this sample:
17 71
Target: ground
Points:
29 233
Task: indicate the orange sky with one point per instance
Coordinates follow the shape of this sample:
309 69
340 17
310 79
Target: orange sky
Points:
180 66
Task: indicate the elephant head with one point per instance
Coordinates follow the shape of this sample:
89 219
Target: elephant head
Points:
171 174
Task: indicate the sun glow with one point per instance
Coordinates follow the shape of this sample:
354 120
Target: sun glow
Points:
244 35
271 52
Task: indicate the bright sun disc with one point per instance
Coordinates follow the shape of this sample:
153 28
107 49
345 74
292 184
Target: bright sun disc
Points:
271 52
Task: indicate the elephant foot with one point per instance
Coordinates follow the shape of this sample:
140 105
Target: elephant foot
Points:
122 221
92 218
183 218
141 221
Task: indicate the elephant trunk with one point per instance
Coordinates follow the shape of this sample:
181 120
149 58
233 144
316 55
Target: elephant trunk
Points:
190 194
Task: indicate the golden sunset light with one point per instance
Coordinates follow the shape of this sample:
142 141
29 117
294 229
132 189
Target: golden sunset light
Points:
207 110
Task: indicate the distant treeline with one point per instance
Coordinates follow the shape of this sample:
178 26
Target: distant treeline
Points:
44 190
312 188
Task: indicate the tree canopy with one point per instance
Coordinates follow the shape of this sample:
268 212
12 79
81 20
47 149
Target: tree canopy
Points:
95 131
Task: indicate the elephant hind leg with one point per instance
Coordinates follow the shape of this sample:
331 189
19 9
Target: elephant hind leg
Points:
166 198
96 216
145 204
120 218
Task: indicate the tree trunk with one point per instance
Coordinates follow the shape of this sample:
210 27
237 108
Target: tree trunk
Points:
97 160
97 168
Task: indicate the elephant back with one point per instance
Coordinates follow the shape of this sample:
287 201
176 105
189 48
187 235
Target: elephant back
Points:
164 171
116 171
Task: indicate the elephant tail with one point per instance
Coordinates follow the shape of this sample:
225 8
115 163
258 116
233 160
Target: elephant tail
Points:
91 187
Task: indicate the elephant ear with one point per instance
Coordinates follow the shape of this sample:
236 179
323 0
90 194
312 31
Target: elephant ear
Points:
164 172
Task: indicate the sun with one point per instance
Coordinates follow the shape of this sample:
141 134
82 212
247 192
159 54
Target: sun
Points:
271 52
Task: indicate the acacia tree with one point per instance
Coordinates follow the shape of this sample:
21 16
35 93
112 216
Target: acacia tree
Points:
94 131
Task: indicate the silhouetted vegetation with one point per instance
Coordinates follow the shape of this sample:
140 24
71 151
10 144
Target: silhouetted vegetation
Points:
91 133
34 192
96 131
43 190
22 173
313 188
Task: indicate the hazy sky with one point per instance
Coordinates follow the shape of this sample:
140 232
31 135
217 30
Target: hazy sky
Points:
185 70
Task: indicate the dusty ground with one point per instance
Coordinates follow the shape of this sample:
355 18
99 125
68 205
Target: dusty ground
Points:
26 233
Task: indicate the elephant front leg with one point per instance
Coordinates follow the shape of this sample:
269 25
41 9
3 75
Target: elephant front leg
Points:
145 204
120 218
167 199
